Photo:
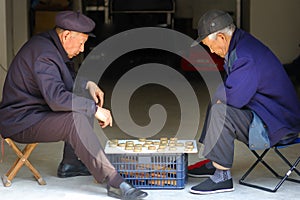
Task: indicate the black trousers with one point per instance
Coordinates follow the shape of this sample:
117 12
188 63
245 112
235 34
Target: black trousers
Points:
223 125
75 129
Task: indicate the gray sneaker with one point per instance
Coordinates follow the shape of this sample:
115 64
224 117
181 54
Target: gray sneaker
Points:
210 187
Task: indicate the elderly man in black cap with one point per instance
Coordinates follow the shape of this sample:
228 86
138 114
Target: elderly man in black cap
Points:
256 89
39 105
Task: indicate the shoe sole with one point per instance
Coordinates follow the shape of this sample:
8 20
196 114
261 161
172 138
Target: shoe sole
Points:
212 192
199 176
69 175
111 194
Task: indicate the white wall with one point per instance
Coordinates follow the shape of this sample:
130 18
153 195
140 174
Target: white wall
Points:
277 24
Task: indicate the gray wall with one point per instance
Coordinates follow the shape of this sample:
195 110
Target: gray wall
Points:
201 6
4 46
14 32
275 22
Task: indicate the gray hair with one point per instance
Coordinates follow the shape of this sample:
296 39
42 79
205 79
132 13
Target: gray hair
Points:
227 30
59 30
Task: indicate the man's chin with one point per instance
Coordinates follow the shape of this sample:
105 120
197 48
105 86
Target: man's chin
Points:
73 55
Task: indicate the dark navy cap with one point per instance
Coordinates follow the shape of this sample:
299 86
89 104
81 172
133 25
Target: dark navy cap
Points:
75 21
212 21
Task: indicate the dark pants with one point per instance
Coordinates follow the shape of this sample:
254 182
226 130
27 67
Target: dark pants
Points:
76 130
69 156
223 125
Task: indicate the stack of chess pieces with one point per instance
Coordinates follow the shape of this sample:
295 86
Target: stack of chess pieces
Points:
162 145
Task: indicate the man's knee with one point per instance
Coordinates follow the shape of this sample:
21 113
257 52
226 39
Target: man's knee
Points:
218 109
76 122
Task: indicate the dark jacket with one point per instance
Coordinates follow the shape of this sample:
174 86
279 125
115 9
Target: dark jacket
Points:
39 80
257 80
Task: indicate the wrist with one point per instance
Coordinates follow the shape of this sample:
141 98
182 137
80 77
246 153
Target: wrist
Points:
87 85
96 108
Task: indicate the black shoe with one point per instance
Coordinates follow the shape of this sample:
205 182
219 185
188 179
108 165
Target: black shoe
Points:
210 187
201 171
67 170
125 192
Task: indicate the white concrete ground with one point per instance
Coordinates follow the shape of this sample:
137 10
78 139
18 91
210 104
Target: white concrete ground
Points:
47 156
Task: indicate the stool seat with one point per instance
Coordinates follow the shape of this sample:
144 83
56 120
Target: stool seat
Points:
20 161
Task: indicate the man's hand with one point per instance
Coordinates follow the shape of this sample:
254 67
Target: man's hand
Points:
95 92
103 116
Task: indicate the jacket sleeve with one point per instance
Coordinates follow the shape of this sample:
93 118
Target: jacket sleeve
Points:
240 85
80 87
55 84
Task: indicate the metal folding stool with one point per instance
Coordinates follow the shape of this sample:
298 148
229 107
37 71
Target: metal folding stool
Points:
264 163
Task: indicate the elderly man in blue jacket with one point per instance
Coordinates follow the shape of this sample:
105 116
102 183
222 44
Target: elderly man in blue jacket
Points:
256 85
39 105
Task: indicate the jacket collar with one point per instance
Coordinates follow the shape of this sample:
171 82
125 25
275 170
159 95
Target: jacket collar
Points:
58 45
238 33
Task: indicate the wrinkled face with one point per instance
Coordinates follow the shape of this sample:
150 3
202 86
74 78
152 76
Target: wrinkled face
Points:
73 42
219 45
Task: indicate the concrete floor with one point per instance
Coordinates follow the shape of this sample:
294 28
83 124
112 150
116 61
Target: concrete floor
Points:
47 157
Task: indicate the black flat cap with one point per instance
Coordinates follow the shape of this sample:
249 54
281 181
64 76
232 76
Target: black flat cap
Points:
75 21
212 21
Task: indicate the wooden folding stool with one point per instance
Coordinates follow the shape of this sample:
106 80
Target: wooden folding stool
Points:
20 161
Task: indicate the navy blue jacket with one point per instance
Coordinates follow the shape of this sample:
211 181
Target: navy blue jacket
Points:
39 80
256 80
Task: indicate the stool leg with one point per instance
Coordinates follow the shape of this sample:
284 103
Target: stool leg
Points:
29 148
10 175
23 159
7 179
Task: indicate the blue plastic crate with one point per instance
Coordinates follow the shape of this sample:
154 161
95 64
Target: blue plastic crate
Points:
152 171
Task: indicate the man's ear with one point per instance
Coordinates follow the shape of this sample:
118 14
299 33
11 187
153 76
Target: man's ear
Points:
221 36
66 34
